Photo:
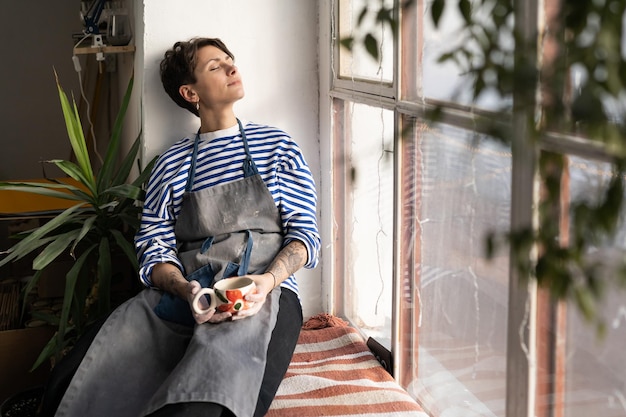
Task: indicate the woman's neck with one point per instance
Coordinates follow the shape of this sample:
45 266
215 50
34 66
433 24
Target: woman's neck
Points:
211 121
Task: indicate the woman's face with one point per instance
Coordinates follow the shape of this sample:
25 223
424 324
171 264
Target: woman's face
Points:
218 79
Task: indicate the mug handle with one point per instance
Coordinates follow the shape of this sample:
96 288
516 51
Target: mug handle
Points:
195 304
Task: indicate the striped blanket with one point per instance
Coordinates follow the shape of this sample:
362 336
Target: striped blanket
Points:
333 373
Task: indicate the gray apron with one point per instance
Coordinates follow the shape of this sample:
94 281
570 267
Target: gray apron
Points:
143 362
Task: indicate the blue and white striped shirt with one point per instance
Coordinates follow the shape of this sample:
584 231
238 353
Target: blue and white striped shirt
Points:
220 156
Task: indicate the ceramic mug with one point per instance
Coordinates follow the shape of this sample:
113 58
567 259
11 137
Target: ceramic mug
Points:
227 295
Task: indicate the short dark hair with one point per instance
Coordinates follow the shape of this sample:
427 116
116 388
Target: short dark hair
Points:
179 63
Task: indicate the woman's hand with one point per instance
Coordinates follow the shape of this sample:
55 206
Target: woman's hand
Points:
264 284
211 316
168 278
291 258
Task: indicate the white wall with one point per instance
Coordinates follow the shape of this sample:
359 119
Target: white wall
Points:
275 45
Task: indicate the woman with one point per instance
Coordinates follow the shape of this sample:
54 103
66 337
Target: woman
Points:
236 199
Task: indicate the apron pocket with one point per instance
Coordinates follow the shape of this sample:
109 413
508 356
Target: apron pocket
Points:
177 310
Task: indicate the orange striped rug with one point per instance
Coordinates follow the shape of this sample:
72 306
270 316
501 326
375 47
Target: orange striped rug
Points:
333 373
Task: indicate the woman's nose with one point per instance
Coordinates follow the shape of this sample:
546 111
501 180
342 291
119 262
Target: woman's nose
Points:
231 69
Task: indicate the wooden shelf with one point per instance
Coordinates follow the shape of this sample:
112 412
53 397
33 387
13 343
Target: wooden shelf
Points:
104 49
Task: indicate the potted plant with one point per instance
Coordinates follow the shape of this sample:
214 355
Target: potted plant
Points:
98 228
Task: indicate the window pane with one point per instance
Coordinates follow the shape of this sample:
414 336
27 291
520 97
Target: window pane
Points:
448 81
595 368
358 63
369 200
463 188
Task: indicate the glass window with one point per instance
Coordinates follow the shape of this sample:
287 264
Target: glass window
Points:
357 64
465 194
595 370
415 201
369 208
451 80
594 377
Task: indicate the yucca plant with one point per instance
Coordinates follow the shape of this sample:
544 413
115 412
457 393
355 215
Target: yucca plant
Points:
99 226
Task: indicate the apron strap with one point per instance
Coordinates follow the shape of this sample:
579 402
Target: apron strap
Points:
192 169
245 258
249 167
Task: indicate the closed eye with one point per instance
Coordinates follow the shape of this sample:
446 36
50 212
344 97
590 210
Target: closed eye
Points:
215 63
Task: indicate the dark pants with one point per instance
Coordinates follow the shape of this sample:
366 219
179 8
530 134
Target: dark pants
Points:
280 349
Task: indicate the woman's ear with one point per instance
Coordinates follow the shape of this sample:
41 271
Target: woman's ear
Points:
188 93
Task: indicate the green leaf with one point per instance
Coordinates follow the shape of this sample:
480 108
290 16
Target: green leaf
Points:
49 318
127 247
109 207
126 191
30 285
75 134
585 302
362 15
54 249
347 43
39 189
85 229
127 164
63 218
49 350
54 346
145 174
74 171
371 46
34 239
385 15
437 10
576 14
446 57
104 277
81 190
110 160
131 218
70 283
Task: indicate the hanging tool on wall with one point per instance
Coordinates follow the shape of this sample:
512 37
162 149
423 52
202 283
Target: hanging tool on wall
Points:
92 17
92 21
